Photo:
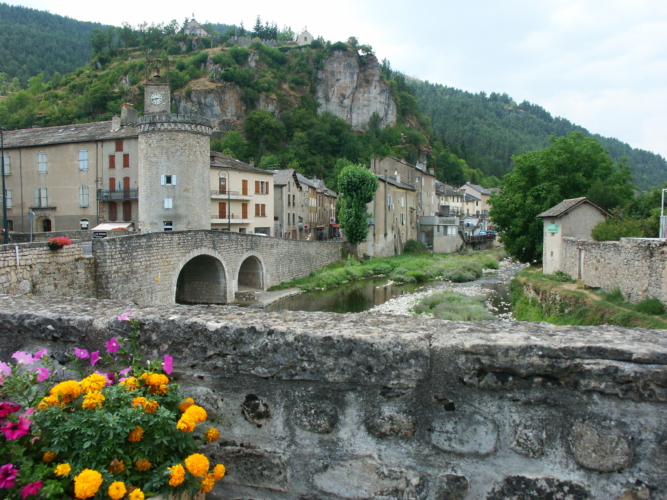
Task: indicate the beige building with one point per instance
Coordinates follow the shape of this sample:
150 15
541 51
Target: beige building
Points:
242 196
192 27
304 38
575 218
482 195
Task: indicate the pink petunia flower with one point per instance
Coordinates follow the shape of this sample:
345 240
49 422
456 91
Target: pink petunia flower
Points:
81 353
125 316
168 364
7 407
31 489
42 374
5 371
112 345
94 357
40 354
111 377
7 475
125 371
16 430
23 358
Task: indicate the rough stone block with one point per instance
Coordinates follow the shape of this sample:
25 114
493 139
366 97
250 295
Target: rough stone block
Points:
542 488
600 446
465 433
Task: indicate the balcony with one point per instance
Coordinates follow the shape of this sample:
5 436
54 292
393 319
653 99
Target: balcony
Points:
218 194
233 218
117 194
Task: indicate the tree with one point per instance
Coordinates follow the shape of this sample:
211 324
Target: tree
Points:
569 168
357 186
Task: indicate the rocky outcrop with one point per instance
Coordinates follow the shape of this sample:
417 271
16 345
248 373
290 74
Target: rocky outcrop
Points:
331 407
354 93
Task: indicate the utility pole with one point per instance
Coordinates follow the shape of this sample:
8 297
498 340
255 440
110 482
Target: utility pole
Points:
5 237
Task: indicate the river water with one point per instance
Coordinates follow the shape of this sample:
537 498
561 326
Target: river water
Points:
379 295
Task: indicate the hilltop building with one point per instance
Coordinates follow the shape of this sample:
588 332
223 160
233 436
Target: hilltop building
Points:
304 38
192 27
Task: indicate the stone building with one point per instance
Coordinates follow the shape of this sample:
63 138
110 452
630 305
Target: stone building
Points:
241 196
304 38
192 27
576 218
482 197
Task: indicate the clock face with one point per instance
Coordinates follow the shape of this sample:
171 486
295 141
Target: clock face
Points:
156 98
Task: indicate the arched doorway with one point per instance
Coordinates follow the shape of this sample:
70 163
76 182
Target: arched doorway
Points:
202 281
43 225
251 274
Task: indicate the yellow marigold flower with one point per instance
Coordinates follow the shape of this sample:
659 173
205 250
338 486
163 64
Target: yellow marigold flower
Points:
160 389
93 400
142 464
197 413
219 472
186 404
63 470
151 406
48 401
177 475
135 435
186 424
116 466
197 464
212 434
138 401
117 490
49 457
145 375
136 494
130 383
87 483
157 379
94 382
207 483
68 389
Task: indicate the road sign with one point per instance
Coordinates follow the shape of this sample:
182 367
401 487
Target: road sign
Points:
552 228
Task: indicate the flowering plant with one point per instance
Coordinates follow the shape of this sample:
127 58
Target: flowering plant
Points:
121 434
60 240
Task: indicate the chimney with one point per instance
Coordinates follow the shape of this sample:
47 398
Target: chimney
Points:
128 115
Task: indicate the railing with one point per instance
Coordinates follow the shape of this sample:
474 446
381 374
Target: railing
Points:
230 216
222 192
484 237
118 194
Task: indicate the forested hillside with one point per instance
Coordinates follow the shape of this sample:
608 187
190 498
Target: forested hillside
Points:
488 130
34 42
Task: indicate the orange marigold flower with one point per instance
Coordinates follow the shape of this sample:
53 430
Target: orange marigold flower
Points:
93 400
151 406
186 404
48 401
197 413
63 470
87 483
135 435
138 401
176 475
130 383
117 490
197 464
68 389
116 466
160 389
207 483
136 494
212 434
145 375
49 457
94 382
186 423
142 464
219 472
157 379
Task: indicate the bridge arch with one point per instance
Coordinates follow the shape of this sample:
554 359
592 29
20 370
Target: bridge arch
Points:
251 273
202 279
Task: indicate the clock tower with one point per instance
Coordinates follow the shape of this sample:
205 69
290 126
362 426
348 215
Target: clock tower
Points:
157 98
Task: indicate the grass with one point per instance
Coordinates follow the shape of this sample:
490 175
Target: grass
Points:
412 268
558 305
453 306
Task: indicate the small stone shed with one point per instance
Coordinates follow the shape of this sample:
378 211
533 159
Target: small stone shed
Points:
575 217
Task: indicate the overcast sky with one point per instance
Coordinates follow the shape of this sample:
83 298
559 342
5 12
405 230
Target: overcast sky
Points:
601 64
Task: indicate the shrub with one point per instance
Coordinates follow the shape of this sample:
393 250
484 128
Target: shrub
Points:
615 296
415 247
559 276
458 275
339 46
651 306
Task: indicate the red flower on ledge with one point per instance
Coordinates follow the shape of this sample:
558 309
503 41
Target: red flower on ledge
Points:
61 241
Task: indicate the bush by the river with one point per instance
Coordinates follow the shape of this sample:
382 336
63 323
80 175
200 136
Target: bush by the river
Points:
453 306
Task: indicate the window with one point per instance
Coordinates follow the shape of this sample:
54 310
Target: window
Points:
41 163
244 210
256 187
222 210
83 196
126 184
84 224
244 187
119 145
8 165
168 203
83 159
10 225
260 210
170 180
222 185
112 183
41 198
113 211
261 187
46 225
167 225
8 197
402 218
127 210
294 200
112 161
256 209
402 201
126 160
389 200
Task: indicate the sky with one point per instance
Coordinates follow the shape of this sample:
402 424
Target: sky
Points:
601 64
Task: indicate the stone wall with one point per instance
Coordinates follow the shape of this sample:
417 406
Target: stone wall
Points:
34 269
73 235
637 266
356 406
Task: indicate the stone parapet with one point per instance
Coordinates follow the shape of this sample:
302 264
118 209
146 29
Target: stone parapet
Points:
167 122
357 406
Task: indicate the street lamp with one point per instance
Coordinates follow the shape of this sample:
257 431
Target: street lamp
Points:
223 175
5 233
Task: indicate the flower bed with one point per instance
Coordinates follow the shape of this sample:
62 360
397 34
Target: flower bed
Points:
122 433
59 242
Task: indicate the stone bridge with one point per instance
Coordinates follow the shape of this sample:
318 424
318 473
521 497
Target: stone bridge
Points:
188 267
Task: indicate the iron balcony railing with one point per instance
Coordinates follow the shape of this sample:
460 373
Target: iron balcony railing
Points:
225 193
117 194
230 216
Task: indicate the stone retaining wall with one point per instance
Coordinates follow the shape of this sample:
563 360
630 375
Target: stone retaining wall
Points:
72 235
34 269
355 406
637 266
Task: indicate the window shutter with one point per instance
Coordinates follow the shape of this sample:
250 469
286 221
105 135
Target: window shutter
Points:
163 179
168 203
8 197
119 145
126 183
37 198
126 160
263 213
256 209
256 187
113 211
44 198
112 161
127 211
173 180
222 210
112 183
8 165
267 187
